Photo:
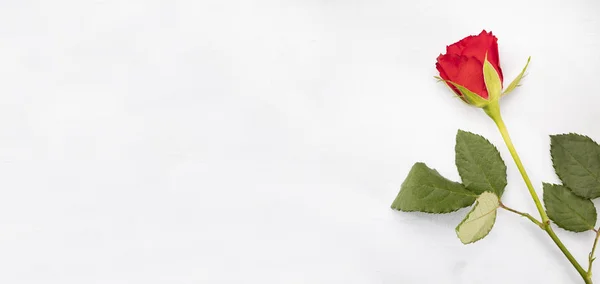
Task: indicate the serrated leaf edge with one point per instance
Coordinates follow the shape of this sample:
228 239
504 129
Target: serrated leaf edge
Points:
469 214
474 195
499 194
592 226
552 142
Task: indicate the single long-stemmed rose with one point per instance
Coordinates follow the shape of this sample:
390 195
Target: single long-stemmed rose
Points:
471 68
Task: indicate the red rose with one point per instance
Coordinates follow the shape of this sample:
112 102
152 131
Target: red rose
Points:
463 63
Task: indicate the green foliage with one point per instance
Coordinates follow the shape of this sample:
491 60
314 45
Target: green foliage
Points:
425 190
471 97
568 210
467 95
576 159
479 164
517 80
480 220
492 80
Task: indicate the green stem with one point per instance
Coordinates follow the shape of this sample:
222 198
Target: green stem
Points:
586 278
493 111
534 220
591 255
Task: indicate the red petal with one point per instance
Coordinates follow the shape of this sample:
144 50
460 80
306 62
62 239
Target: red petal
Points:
463 70
477 46
493 56
444 76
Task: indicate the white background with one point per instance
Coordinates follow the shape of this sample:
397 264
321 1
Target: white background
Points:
264 141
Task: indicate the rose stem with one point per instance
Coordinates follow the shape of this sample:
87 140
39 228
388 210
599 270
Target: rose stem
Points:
591 256
493 111
535 221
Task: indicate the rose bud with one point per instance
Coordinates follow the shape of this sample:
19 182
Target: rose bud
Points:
471 68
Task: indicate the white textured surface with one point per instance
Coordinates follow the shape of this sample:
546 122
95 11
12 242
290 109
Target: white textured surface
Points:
263 141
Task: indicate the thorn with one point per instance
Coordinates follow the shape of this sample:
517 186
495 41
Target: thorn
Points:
546 224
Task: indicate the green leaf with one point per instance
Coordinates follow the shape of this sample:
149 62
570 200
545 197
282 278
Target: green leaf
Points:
492 80
425 190
517 80
568 210
576 160
479 164
480 220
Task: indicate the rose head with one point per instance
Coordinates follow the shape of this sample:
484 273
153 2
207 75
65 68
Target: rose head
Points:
463 62
471 68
